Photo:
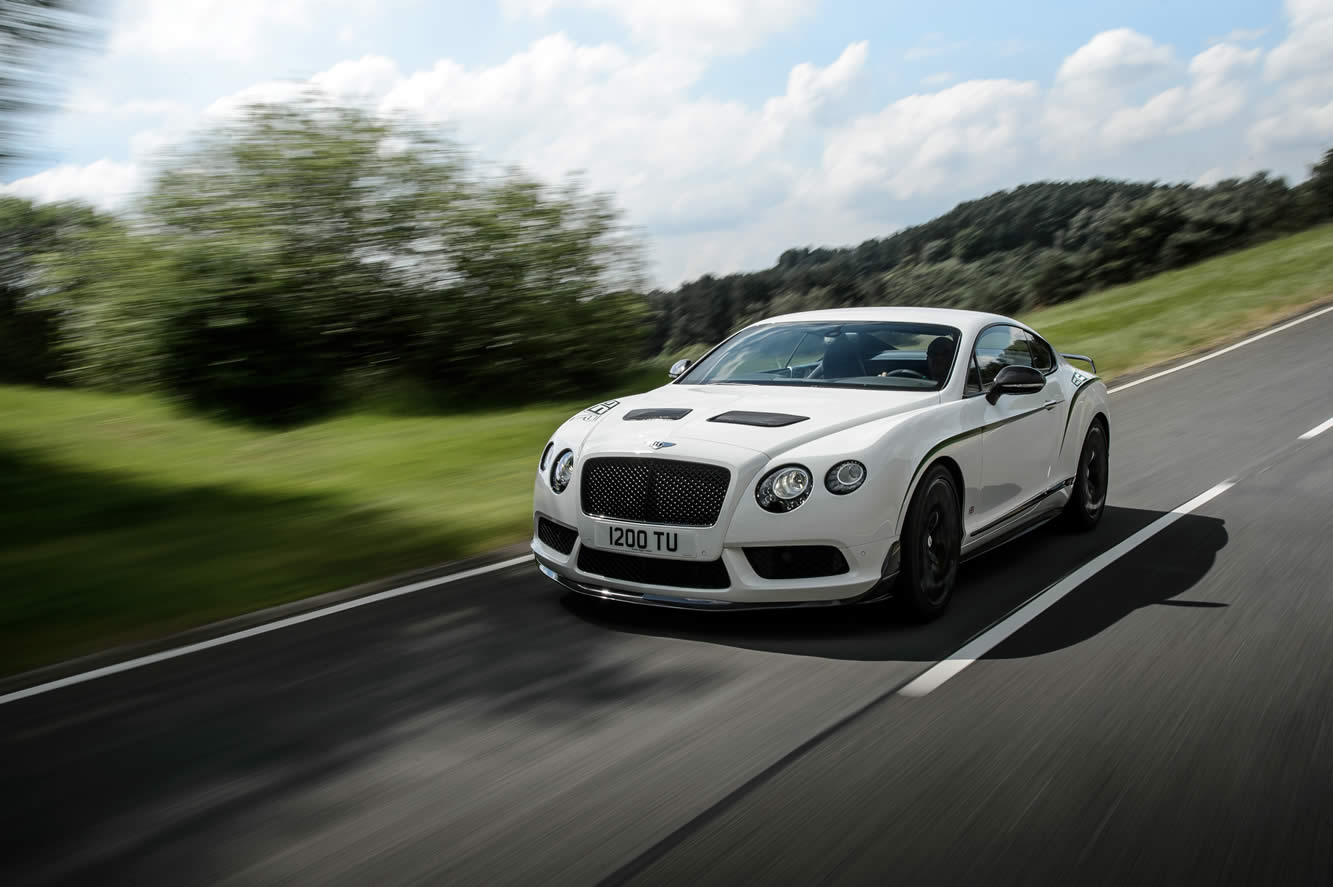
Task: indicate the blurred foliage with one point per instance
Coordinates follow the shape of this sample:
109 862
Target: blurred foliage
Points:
33 36
1009 252
307 254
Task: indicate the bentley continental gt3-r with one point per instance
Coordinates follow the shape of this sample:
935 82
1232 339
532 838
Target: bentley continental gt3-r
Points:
821 458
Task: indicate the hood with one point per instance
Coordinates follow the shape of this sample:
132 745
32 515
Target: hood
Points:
764 419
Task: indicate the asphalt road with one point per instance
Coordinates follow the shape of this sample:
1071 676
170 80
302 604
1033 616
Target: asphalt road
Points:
1169 721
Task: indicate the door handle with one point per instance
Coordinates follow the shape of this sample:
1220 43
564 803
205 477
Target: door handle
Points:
1050 404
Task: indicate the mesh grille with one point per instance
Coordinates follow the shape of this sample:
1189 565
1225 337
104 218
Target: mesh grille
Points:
653 570
558 537
654 491
796 561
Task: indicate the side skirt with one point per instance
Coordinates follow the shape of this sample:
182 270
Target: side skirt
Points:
1026 506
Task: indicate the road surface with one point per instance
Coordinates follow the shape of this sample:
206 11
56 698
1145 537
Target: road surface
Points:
1168 721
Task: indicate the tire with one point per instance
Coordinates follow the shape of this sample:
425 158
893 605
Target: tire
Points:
1088 500
931 540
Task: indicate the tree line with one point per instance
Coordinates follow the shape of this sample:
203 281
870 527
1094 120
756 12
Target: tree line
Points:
1010 251
305 257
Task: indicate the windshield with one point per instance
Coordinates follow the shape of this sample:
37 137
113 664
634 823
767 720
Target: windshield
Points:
905 356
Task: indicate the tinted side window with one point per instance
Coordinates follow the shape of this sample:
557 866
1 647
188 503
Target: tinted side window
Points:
1042 356
999 347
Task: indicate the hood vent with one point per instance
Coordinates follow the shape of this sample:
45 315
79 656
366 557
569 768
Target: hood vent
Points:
658 413
763 420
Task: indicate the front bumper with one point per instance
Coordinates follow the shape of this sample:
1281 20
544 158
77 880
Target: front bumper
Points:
676 602
872 569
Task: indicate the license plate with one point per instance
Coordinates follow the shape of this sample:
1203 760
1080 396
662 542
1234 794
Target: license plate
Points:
647 540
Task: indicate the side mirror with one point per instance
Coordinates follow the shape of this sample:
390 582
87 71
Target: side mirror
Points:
679 367
1016 380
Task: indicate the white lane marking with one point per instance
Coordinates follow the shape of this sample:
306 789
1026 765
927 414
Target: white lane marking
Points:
1218 353
1317 430
140 662
974 649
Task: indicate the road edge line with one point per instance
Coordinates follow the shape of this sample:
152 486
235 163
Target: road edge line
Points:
1224 350
265 628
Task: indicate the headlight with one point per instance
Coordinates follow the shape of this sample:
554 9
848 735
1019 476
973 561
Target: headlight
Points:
546 454
562 471
783 489
845 477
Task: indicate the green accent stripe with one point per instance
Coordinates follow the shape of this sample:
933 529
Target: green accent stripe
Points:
925 460
1069 415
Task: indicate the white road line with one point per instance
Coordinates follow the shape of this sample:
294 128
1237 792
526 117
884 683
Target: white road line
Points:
140 662
973 650
1317 430
1218 353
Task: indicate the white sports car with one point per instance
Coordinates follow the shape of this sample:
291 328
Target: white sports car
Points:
827 457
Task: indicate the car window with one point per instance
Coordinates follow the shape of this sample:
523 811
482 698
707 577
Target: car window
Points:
1043 358
856 354
999 347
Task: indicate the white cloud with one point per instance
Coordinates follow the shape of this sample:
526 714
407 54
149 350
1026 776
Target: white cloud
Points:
106 184
228 29
1218 90
963 135
1301 66
710 26
1095 82
1305 51
1113 59
629 121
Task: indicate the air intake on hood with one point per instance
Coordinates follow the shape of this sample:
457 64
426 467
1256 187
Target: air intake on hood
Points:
659 413
764 420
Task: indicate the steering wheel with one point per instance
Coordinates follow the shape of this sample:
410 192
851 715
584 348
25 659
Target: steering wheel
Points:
911 374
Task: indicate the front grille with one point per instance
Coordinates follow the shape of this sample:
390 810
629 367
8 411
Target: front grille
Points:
654 491
558 537
796 561
653 570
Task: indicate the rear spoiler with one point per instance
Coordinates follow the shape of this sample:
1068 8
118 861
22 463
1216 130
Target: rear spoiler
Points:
1083 357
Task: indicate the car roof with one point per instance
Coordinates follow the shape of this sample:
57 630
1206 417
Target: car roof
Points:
967 322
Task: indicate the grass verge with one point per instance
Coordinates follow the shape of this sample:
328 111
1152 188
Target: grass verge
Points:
125 519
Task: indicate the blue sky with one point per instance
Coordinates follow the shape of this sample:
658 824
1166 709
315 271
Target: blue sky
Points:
730 130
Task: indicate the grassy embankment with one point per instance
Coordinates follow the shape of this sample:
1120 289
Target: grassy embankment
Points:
124 519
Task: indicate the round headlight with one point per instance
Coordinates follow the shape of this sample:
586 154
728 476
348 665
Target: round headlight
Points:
783 489
546 455
562 472
845 477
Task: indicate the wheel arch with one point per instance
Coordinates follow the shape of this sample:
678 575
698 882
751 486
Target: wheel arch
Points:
955 473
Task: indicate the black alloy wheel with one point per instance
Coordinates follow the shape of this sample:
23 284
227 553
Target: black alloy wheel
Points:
931 541
1088 501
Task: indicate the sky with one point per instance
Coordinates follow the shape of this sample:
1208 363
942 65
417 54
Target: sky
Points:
730 130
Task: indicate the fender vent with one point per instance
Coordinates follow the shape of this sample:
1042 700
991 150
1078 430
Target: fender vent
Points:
559 537
660 413
796 561
763 420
